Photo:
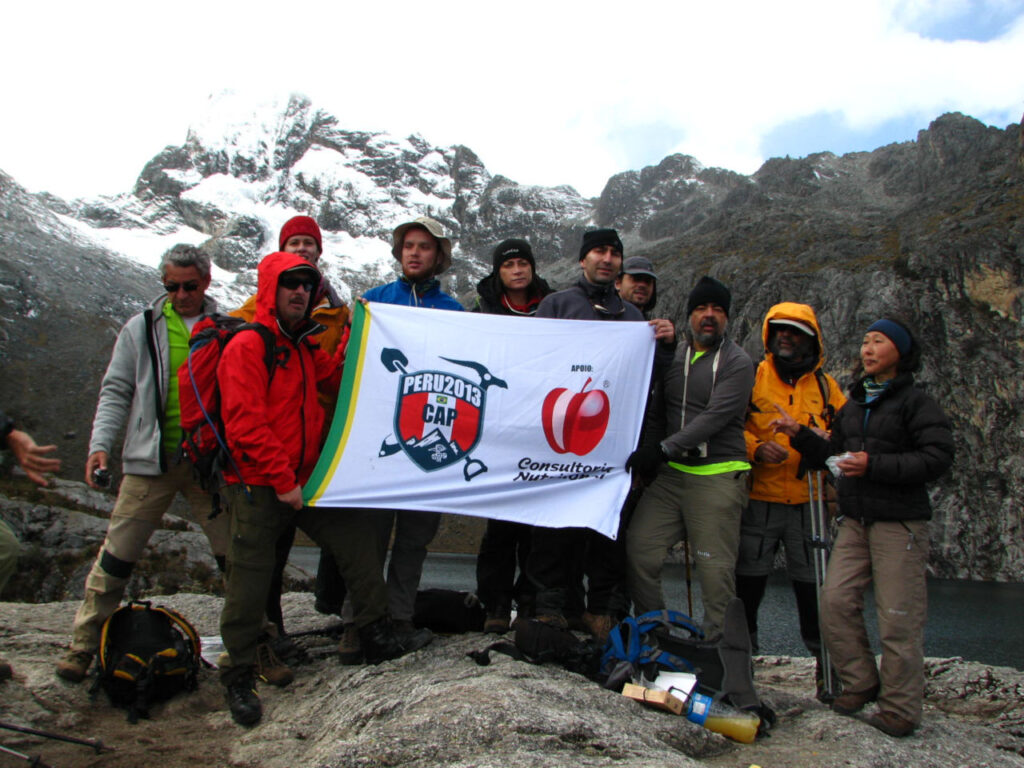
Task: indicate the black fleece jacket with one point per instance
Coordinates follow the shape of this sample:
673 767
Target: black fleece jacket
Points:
908 441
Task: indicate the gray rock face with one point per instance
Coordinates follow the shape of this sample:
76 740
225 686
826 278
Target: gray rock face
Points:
59 544
930 229
437 707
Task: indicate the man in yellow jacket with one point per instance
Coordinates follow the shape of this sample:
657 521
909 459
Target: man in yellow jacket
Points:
790 377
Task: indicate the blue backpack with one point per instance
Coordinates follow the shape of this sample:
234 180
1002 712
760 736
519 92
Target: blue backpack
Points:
634 650
670 640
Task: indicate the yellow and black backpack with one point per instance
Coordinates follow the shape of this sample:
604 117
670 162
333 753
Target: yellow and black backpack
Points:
147 654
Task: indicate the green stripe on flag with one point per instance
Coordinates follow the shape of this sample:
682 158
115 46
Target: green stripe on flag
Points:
344 411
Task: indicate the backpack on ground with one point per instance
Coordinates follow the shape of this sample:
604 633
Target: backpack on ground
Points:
670 640
203 440
147 654
540 643
448 611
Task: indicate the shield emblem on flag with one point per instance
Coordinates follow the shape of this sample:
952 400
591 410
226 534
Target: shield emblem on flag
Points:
438 417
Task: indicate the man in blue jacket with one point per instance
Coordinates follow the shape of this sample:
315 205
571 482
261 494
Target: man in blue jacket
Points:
423 252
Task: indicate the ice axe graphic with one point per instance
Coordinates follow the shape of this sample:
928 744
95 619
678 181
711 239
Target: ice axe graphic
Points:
395 362
487 379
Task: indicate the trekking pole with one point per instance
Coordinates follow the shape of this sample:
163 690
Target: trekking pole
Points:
96 744
820 548
689 580
37 761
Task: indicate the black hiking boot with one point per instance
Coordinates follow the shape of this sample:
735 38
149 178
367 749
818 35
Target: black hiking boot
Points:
410 636
243 701
380 641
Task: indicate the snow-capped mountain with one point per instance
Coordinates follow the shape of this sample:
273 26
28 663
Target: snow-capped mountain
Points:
244 169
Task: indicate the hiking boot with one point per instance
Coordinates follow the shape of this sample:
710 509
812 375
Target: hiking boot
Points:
243 701
74 666
891 723
821 693
270 669
379 641
498 622
411 637
852 702
349 650
6 673
555 620
287 650
598 625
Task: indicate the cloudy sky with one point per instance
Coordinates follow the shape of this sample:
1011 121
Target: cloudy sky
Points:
545 91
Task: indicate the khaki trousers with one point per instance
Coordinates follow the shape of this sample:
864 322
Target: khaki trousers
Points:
892 558
704 508
139 510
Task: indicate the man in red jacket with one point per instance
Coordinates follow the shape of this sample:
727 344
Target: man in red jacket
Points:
273 420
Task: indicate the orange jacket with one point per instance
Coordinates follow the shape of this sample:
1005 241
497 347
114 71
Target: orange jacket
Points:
803 401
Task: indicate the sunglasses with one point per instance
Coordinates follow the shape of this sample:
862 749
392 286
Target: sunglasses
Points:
190 287
291 282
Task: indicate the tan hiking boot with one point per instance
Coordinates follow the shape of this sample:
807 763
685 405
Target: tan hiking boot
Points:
74 666
852 702
350 650
270 669
598 625
892 724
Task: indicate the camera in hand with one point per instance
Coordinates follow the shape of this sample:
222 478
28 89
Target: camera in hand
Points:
101 476
700 452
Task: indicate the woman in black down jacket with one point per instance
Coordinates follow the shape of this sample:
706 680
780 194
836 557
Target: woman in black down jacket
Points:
894 438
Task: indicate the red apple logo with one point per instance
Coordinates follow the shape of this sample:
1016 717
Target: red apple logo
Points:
575 422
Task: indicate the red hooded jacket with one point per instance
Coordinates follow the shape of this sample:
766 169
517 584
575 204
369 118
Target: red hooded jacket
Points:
273 427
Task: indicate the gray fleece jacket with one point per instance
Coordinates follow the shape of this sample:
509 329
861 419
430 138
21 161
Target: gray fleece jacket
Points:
713 415
130 392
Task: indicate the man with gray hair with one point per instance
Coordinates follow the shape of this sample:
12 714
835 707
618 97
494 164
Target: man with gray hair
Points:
140 392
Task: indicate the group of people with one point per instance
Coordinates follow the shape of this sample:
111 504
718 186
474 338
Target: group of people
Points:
720 462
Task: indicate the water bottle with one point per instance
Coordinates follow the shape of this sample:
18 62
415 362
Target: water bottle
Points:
721 718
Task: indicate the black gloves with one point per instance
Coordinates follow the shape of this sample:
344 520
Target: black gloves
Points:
646 459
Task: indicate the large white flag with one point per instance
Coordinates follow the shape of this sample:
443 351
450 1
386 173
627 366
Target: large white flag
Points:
521 419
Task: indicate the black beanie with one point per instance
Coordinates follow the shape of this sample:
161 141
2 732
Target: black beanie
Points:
512 249
598 237
708 291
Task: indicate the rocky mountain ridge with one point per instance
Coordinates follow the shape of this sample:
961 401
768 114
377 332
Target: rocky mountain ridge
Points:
931 229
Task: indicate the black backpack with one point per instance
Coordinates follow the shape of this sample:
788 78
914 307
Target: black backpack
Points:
448 611
147 654
540 643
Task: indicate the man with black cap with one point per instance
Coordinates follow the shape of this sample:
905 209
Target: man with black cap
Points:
790 377
638 284
554 550
693 440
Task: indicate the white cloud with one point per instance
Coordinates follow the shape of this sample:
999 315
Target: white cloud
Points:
545 92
